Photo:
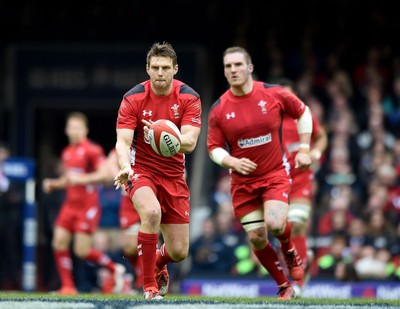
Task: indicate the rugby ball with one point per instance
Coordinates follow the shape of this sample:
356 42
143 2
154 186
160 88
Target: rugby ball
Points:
165 137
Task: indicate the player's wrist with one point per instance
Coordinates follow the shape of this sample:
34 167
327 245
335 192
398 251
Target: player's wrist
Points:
304 146
125 166
316 154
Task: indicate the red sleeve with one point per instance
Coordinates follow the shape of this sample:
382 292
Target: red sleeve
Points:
215 136
193 112
292 105
127 118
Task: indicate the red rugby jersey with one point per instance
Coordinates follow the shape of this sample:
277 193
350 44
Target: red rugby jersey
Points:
250 126
182 106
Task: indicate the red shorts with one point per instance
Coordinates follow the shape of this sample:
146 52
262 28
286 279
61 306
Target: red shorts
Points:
128 215
172 193
77 217
247 197
302 184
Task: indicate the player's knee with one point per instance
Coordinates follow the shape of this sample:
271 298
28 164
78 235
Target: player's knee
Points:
129 249
151 214
81 251
297 227
179 255
59 245
258 237
298 214
274 225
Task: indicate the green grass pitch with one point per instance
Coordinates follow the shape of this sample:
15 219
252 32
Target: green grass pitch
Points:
9 300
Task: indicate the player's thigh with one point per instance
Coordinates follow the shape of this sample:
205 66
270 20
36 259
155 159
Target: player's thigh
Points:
61 238
176 239
82 244
146 202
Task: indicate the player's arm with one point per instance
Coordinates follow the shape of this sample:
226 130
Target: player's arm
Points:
304 128
101 175
223 158
189 137
122 147
320 143
51 184
104 174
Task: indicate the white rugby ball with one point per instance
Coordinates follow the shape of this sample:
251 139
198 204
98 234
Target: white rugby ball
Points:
165 138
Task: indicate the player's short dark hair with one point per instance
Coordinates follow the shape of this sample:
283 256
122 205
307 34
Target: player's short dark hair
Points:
79 115
238 49
164 49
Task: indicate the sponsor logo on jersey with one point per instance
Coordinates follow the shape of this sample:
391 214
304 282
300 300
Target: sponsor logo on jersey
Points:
254 141
147 113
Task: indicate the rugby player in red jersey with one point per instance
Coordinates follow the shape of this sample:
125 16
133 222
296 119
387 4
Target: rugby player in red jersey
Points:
129 220
157 184
244 135
302 185
80 212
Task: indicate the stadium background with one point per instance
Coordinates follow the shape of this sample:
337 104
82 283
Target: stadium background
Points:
69 55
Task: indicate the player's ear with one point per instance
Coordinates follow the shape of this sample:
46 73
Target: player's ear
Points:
250 67
176 69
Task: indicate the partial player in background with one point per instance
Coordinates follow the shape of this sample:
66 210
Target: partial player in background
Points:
80 212
129 220
302 184
244 136
156 184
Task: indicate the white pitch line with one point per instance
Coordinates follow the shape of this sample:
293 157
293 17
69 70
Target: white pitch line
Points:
157 305
44 305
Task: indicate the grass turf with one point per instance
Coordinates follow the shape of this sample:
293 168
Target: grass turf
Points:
181 299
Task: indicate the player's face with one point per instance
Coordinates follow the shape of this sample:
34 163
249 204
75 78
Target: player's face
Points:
161 71
76 130
237 71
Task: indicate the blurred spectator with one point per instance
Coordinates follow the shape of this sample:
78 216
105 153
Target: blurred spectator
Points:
387 176
380 230
371 69
357 237
373 264
391 106
327 263
212 253
396 156
345 271
337 218
222 192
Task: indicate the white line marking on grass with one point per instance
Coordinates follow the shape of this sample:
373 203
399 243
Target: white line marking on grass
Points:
158 305
44 305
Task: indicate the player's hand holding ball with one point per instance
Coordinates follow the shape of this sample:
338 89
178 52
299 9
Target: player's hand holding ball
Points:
164 137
